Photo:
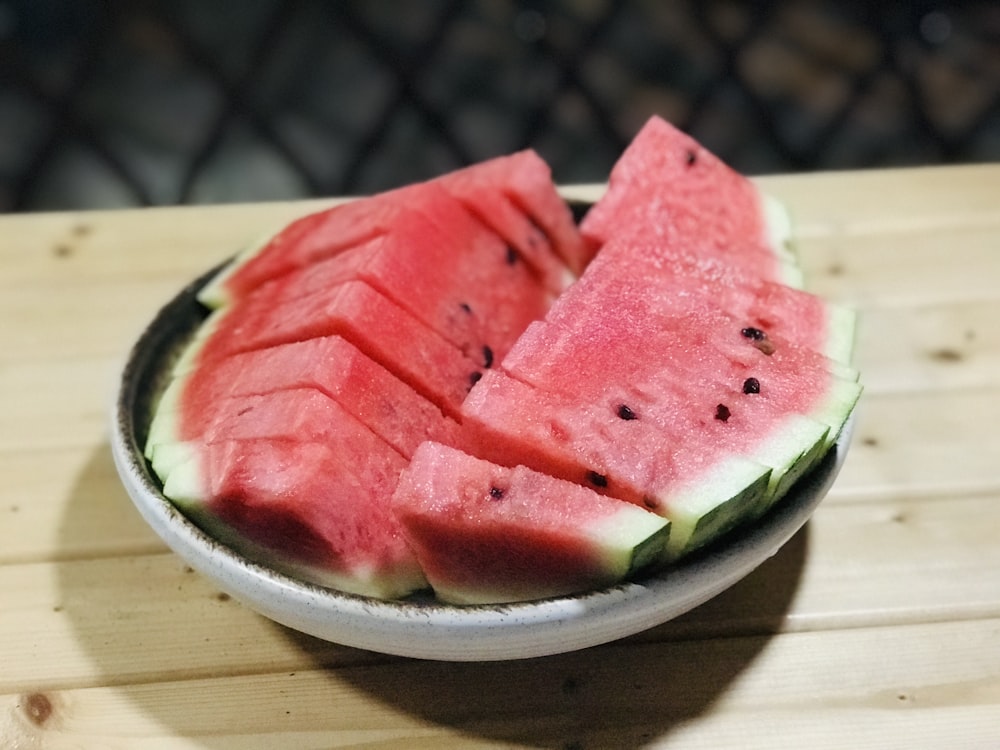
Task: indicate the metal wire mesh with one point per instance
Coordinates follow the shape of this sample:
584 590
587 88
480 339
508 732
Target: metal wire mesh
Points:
155 102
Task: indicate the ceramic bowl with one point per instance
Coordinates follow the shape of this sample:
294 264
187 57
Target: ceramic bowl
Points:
422 627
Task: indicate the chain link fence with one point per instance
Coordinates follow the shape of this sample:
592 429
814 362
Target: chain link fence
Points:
150 102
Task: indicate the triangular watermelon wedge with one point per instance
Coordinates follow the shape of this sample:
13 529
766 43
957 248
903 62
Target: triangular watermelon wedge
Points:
515 195
636 460
666 178
331 365
410 350
486 534
307 493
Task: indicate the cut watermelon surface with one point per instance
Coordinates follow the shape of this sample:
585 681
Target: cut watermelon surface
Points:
485 533
315 504
406 391
331 365
665 181
518 184
376 325
523 181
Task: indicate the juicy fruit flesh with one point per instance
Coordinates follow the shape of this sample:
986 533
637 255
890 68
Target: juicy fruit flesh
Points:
482 534
668 172
578 396
255 490
331 365
377 326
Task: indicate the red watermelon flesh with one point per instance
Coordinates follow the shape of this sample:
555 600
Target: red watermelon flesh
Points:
628 269
319 236
304 241
374 324
662 454
485 533
458 281
667 240
326 233
680 346
686 343
333 366
316 502
515 195
666 177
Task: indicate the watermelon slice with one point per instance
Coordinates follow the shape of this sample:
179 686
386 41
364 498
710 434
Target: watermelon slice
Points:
735 288
486 534
514 194
295 481
666 181
512 183
333 366
708 383
381 329
661 453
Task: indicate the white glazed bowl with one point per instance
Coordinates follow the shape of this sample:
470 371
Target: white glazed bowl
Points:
422 627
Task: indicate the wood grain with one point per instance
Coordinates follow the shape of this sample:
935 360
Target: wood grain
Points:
877 626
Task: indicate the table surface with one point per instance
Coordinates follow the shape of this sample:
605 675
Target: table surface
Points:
877 626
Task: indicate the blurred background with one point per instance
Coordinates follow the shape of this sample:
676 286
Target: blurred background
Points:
112 103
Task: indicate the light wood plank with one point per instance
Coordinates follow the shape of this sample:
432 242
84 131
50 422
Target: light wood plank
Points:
921 444
932 685
889 200
929 349
49 405
66 504
905 269
135 619
136 244
80 320
138 619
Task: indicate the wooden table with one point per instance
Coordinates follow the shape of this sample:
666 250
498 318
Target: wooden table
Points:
877 626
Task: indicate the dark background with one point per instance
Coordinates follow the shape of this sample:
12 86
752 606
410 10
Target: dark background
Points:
198 101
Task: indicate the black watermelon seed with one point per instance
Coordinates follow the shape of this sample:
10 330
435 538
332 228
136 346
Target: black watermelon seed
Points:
722 412
511 256
751 385
465 307
487 357
598 480
754 334
496 493
625 413
475 378
692 157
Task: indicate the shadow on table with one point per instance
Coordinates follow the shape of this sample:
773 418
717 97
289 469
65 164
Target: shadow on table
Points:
622 694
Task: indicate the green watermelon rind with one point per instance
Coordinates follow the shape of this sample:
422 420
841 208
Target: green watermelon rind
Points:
842 326
779 227
631 541
702 512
